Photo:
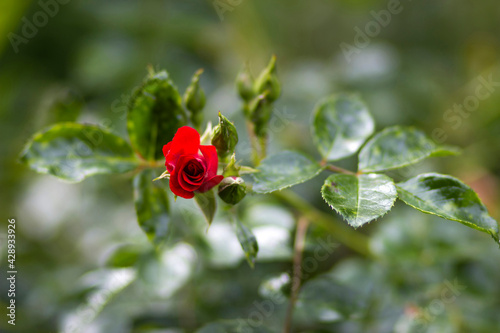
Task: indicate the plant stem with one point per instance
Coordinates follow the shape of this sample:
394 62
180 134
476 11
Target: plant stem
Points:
336 169
151 164
300 236
354 240
253 142
263 147
145 164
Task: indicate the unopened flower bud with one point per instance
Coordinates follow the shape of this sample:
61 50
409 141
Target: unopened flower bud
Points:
268 82
225 137
232 190
194 99
245 84
260 113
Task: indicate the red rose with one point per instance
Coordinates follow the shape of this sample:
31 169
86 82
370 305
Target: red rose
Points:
192 167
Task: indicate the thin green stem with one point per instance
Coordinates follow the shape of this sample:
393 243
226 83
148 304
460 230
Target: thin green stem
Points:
337 169
334 168
254 143
354 240
263 147
145 164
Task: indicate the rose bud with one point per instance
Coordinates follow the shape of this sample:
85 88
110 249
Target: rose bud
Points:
245 84
232 190
260 113
194 99
192 167
225 137
268 82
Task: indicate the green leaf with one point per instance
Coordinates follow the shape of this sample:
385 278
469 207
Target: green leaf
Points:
155 114
283 170
449 198
73 152
233 326
397 147
151 206
341 124
248 242
125 255
208 205
359 199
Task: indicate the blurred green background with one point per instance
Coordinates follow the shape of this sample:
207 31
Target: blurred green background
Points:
82 259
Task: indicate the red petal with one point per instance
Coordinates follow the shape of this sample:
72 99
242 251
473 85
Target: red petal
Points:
210 183
166 148
176 188
212 161
169 164
193 181
179 171
185 142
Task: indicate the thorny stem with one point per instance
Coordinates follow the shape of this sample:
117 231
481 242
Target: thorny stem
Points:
300 236
354 240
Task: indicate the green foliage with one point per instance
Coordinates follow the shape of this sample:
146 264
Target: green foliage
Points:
449 198
248 242
152 208
66 108
155 114
359 199
397 147
324 298
208 205
73 152
125 255
341 125
232 326
392 276
283 170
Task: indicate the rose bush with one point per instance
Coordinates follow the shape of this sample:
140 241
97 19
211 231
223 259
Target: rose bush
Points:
192 167
342 127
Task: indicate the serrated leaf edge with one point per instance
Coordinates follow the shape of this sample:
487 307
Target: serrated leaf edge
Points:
345 218
469 224
437 148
